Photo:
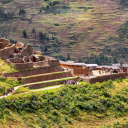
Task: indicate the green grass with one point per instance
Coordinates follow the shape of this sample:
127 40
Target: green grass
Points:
5 68
99 105
21 90
7 83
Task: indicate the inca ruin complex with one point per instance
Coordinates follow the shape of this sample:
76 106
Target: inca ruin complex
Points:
32 67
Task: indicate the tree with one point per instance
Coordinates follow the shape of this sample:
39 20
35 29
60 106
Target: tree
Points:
79 60
68 57
22 12
33 30
46 49
24 34
42 36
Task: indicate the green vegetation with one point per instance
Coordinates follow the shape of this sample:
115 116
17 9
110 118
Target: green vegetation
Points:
5 16
69 106
124 2
117 125
7 83
5 68
21 90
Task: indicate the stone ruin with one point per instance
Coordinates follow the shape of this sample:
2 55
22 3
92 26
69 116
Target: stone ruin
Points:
23 56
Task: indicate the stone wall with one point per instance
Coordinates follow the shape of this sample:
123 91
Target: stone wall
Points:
104 78
46 77
34 71
19 66
82 71
48 84
2 45
54 62
6 53
16 60
40 63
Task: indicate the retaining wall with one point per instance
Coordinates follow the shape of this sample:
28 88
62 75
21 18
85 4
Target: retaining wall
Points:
46 77
16 60
6 53
82 71
54 62
19 66
104 78
48 84
34 71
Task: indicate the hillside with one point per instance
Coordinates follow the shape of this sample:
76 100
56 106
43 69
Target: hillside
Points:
100 105
78 27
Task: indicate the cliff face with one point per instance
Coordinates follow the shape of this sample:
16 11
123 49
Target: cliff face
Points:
80 27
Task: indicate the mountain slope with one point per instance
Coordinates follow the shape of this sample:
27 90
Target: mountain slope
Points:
80 27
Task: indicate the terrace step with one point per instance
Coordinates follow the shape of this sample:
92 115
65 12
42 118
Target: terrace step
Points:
45 77
34 71
49 82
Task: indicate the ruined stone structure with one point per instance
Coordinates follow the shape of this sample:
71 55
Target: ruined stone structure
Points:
32 67
23 56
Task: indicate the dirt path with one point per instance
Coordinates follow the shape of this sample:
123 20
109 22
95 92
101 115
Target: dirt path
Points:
53 87
41 89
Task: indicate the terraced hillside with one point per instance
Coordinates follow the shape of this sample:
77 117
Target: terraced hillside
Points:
80 27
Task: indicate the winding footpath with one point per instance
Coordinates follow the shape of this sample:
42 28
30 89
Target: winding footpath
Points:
41 89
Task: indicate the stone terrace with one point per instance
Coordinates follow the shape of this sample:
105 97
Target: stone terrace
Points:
34 69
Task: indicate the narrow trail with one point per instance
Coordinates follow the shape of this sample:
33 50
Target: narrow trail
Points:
41 89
